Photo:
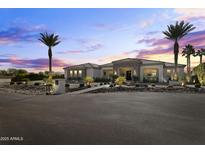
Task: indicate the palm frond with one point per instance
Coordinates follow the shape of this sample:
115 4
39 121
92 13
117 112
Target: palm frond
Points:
178 31
49 40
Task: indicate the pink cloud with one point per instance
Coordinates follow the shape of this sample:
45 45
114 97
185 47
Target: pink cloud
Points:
155 51
21 33
38 64
161 46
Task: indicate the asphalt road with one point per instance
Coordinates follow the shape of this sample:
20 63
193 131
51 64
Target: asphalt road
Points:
111 118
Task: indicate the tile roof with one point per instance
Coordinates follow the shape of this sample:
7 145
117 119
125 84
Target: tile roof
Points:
86 65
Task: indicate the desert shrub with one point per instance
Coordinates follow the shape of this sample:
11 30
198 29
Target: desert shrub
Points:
50 81
88 80
50 85
135 78
197 85
37 84
146 86
88 86
11 83
114 77
200 72
120 80
188 78
182 77
19 82
81 85
137 85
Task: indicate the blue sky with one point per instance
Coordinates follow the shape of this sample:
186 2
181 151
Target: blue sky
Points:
91 35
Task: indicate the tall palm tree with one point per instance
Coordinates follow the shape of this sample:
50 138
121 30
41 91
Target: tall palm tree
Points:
175 33
200 53
187 51
49 40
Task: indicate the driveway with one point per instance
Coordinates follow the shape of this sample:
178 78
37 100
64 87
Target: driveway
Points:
110 118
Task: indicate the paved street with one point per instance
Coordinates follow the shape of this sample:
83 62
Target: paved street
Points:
110 118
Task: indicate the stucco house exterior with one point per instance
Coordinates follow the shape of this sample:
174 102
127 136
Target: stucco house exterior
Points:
131 68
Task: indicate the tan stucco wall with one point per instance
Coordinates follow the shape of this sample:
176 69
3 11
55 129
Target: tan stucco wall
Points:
93 72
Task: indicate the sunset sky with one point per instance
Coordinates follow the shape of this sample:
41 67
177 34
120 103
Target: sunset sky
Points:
93 35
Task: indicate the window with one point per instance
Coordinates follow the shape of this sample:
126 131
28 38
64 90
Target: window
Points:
150 75
71 73
75 72
168 71
80 72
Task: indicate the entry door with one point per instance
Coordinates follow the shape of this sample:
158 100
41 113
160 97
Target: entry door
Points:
128 75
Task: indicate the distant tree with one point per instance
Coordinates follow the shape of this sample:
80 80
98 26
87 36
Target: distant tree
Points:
46 72
21 72
49 40
187 51
175 33
12 71
200 53
3 73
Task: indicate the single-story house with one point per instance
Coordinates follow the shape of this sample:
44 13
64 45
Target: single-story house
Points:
131 68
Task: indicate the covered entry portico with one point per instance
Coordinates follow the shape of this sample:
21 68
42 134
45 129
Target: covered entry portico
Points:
126 72
128 68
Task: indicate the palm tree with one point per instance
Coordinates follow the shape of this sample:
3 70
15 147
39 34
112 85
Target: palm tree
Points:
49 40
175 33
187 52
200 53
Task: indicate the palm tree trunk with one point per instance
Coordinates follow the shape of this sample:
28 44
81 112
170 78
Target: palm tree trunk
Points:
189 64
187 67
50 59
200 59
176 52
